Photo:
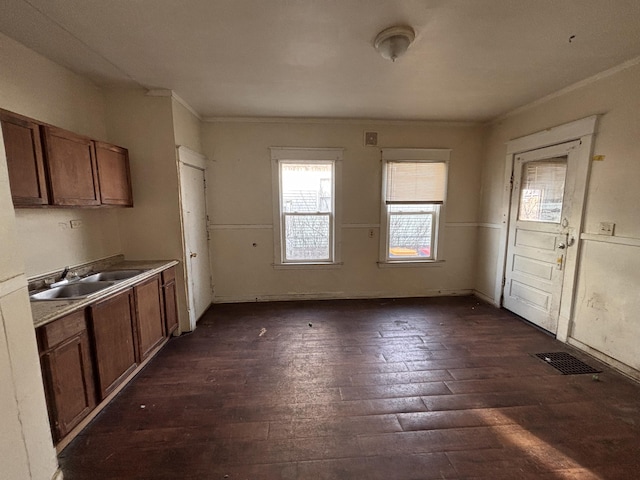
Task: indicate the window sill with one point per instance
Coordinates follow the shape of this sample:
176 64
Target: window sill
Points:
307 266
411 263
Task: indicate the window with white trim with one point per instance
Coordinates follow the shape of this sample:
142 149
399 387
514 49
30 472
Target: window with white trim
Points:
413 197
305 211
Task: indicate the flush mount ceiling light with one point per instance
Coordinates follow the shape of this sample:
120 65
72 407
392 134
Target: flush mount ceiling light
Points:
393 42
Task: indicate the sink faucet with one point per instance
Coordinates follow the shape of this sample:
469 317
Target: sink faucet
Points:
65 277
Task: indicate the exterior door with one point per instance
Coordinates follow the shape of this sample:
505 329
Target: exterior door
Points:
194 227
539 233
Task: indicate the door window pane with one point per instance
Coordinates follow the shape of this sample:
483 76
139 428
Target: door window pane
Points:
542 190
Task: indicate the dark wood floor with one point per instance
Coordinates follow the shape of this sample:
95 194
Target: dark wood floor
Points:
383 389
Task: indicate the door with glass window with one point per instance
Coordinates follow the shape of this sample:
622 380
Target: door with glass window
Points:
543 182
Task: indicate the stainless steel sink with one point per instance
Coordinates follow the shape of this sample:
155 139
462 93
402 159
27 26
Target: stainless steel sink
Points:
112 275
72 291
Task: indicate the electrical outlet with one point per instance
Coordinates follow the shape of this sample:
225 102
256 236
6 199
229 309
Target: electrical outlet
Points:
371 233
76 223
606 228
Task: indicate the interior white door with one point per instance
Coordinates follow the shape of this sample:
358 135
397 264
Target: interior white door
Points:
194 225
540 218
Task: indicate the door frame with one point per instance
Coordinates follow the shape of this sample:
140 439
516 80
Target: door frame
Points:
189 158
584 131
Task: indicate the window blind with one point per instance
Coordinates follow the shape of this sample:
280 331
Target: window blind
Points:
416 182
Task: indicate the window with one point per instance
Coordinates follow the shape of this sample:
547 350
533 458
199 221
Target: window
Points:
542 190
413 196
305 211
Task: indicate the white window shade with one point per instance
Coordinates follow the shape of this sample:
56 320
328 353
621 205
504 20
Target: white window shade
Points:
416 182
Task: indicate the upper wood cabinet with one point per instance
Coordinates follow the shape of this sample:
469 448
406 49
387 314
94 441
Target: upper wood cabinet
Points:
24 160
113 172
72 168
51 166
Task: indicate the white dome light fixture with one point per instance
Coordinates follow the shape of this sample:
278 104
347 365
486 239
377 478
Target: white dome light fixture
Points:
393 42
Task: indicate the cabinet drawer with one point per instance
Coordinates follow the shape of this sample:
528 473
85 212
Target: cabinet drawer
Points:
168 275
62 329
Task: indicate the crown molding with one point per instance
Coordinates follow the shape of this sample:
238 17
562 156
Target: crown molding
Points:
563 91
341 121
165 92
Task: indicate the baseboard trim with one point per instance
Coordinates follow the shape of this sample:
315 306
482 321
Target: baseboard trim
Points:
486 298
617 365
336 296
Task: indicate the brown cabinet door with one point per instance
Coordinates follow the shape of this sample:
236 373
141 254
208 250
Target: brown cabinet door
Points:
114 175
67 371
113 333
170 307
149 315
71 164
25 162
71 392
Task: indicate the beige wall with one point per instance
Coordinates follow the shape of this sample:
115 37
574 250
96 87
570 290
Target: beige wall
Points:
39 241
150 230
186 127
26 448
36 87
240 206
607 298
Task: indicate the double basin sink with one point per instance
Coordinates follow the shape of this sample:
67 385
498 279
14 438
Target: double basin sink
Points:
86 286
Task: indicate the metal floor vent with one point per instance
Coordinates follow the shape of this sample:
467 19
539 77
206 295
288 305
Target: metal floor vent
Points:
566 364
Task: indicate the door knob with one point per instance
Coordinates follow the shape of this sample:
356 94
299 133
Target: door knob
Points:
561 246
194 255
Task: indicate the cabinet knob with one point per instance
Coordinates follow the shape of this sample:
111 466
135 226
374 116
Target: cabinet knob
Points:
193 255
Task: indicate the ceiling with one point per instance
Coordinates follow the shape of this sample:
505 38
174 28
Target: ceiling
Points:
472 60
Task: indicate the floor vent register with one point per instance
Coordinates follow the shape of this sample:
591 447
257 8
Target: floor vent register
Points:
567 364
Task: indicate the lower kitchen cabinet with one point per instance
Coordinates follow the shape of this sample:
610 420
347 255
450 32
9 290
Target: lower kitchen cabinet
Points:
67 371
114 340
86 355
149 315
169 296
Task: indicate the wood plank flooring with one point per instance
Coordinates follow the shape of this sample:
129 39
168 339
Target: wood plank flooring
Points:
441 388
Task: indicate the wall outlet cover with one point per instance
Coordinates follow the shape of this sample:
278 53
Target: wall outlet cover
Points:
606 228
